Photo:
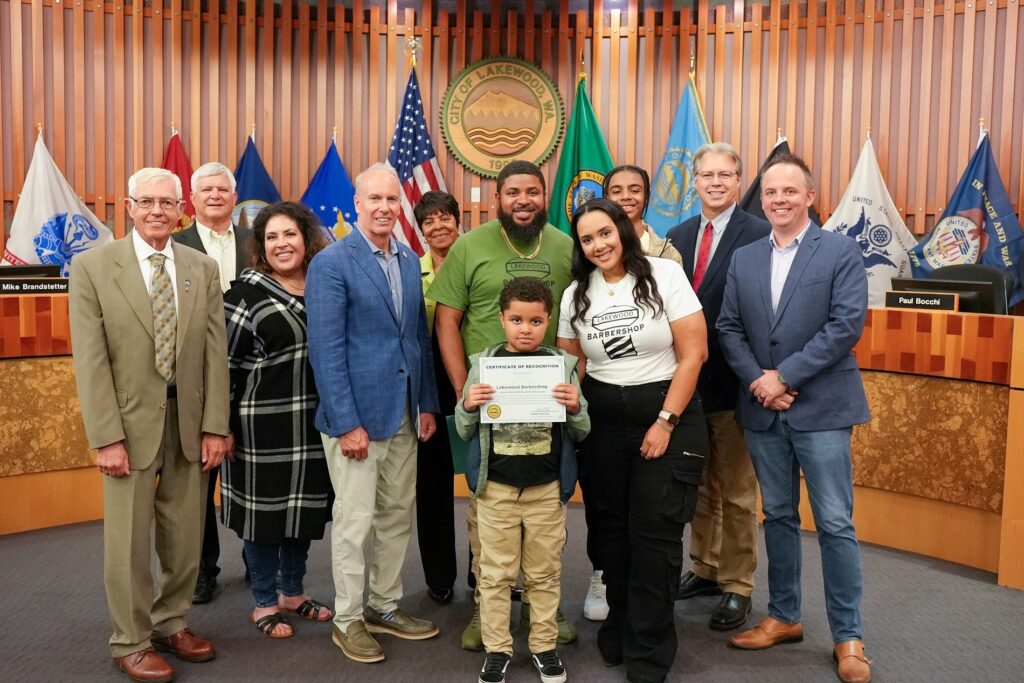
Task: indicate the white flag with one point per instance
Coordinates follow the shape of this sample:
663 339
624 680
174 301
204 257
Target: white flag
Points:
867 214
51 224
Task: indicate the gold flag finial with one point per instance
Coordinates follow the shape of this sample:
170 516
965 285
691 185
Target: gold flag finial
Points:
334 134
39 127
413 46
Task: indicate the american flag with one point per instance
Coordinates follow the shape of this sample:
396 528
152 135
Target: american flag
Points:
412 156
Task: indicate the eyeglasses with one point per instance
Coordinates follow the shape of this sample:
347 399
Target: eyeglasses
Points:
147 203
724 176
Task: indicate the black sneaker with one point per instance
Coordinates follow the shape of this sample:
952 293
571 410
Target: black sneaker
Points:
550 667
495 664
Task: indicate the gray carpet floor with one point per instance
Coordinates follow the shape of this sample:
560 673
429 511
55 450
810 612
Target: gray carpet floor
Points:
924 620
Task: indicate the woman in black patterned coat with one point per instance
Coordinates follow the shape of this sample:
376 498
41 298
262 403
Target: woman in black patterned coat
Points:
275 492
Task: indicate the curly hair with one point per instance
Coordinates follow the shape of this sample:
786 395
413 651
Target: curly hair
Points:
527 290
645 292
313 235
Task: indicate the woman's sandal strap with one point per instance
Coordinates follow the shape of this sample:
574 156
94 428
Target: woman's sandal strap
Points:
269 622
310 609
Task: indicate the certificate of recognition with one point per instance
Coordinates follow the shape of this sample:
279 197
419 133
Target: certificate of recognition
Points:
522 389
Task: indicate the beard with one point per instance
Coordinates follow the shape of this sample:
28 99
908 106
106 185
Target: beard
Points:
523 233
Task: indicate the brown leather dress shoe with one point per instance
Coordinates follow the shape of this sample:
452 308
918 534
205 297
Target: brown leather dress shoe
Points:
146 666
769 633
852 665
187 646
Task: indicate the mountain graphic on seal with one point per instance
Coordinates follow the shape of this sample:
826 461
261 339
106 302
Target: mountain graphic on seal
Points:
502 125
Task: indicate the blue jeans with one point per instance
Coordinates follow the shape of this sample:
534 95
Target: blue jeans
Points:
276 567
778 454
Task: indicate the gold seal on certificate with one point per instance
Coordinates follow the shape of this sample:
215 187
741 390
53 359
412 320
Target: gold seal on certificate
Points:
522 389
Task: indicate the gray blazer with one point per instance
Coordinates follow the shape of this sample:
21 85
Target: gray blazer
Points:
809 339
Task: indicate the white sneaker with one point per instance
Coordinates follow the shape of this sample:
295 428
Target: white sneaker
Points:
595 607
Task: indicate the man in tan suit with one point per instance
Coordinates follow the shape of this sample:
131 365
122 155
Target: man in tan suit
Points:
147 329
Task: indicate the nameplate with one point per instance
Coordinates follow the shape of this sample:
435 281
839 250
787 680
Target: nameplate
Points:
33 285
929 301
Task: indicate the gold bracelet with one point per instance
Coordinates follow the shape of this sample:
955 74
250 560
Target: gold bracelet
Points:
664 425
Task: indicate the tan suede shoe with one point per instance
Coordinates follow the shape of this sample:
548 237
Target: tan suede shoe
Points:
769 633
357 644
852 665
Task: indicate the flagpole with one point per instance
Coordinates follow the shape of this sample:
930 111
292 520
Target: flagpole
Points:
981 131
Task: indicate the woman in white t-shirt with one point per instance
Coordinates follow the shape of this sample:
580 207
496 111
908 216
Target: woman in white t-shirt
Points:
638 329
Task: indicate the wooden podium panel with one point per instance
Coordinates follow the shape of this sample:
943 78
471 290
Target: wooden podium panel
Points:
939 470
33 325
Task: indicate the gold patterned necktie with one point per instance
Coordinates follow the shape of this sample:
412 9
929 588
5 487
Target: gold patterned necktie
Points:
165 321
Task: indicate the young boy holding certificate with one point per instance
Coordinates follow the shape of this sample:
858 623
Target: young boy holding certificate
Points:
521 473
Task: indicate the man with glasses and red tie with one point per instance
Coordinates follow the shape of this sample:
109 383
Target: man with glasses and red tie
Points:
150 357
723 546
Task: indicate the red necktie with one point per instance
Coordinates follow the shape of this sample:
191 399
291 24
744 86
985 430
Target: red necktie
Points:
703 256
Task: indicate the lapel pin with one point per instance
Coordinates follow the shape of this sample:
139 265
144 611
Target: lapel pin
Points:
188 285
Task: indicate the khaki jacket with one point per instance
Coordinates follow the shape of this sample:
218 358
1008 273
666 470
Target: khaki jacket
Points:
122 394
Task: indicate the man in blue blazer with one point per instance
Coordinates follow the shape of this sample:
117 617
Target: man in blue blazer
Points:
371 356
793 309
723 534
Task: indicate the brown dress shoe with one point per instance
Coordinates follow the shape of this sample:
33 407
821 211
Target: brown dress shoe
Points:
187 646
852 665
769 633
145 665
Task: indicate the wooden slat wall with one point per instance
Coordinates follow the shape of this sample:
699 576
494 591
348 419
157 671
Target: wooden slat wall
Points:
111 78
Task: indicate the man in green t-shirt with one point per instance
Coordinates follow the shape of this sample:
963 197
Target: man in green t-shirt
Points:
520 243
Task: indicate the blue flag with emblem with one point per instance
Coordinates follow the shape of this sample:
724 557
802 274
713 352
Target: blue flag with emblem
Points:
253 184
978 226
51 223
331 196
673 195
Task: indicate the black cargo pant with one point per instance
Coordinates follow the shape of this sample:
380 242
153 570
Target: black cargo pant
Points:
640 508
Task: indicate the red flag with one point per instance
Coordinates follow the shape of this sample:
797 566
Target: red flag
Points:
176 161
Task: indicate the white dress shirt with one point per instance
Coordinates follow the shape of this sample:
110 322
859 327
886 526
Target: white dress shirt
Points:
221 248
719 223
143 250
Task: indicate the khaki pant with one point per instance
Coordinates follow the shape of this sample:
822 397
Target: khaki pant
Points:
169 497
723 543
373 500
520 528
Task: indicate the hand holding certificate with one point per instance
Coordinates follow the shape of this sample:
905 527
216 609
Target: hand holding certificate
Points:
523 389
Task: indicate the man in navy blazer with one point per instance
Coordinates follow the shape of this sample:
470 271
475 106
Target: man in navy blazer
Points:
723 534
371 356
793 309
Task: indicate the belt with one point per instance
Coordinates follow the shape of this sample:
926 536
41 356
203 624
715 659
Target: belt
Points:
172 391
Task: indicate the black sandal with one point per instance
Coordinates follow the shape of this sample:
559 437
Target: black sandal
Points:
310 609
269 622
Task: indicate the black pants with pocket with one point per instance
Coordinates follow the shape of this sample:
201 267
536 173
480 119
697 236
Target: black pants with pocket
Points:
640 509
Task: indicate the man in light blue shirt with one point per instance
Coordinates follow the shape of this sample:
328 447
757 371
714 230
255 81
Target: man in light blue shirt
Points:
793 309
